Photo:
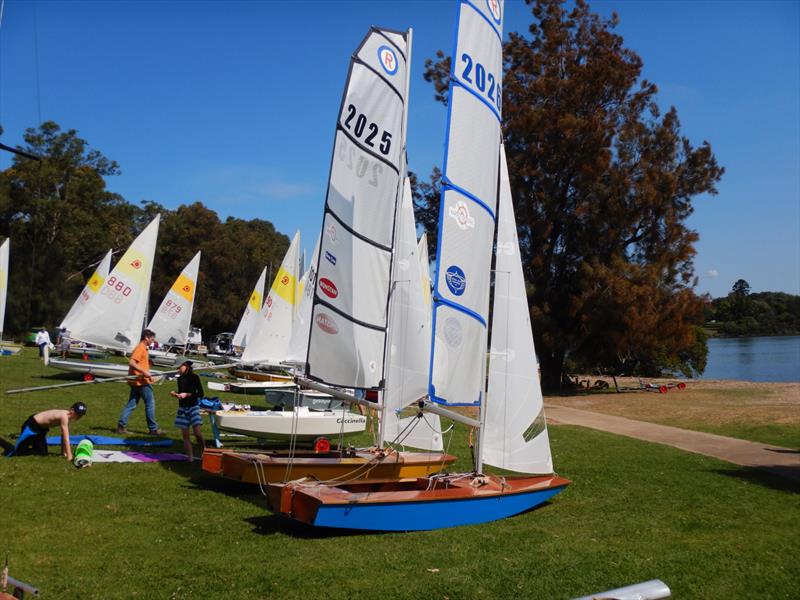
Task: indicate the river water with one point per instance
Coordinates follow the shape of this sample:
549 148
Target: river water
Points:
754 358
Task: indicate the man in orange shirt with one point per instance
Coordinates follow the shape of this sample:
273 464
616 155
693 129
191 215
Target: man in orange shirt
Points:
139 367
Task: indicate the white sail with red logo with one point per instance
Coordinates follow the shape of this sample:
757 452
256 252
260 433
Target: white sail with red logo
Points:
350 304
251 310
172 320
271 331
113 317
92 286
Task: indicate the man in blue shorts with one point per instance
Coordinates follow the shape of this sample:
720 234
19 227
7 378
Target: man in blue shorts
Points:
190 390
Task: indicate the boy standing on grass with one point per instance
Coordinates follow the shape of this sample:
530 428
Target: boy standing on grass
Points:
190 390
33 434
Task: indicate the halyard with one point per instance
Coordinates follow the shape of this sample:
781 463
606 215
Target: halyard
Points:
635 511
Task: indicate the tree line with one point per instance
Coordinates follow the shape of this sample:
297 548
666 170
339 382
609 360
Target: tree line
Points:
603 183
62 219
742 313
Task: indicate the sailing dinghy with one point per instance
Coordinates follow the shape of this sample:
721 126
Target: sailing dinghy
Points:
346 291
512 433
6 348
112 318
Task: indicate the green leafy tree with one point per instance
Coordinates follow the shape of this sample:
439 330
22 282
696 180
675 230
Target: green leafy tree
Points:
603 184
61 219
740 292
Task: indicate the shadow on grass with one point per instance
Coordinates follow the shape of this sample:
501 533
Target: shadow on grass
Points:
776 477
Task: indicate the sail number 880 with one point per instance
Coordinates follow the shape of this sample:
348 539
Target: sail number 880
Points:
361 124
116 290
486 83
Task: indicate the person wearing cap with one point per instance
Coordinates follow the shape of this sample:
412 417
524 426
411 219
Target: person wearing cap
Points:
139 380
190 390
33 433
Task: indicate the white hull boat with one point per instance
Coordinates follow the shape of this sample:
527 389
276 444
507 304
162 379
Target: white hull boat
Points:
9 348
94 369
301 423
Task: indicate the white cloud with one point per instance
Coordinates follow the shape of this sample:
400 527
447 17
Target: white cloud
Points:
712 273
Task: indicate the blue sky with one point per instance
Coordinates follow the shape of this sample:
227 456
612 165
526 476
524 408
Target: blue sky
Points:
234 104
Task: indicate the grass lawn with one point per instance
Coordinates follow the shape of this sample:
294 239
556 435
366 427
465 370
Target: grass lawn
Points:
635 511
768 413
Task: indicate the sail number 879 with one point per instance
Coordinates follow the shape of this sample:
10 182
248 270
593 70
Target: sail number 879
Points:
475 74
359 124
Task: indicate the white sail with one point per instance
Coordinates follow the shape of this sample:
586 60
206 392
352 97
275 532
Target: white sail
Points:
113 317
410 340
468 207
5 250
89 290
298 345
172 320
269 335
515 432
251 310
349 313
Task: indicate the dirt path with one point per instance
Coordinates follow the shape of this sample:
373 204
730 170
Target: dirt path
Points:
780 461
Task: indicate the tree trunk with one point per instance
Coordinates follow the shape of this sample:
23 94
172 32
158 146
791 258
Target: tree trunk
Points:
552 365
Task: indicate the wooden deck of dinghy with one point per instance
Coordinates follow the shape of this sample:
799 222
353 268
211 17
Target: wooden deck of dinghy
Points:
270 466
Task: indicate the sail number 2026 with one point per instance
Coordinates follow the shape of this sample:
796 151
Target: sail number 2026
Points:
475 74
360 125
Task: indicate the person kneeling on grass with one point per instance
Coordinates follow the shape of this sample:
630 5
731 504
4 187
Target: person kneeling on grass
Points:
33 434
190 390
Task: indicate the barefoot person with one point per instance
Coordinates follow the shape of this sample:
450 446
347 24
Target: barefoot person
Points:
190 390
33 434
139 366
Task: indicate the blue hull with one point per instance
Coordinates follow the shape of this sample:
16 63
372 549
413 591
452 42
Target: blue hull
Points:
426 515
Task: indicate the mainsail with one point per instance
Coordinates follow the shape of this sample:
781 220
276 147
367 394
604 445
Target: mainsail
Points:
113 317
89 290
271 330
172 320
350 303
468 207
251 310
5 249
515 433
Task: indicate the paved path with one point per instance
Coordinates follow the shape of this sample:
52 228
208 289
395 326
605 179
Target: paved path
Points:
775 459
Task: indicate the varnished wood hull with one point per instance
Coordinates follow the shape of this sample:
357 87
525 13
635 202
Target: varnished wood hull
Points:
412 504
254 375
270 466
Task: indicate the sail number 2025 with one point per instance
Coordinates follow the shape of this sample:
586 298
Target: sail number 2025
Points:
364 129
475 74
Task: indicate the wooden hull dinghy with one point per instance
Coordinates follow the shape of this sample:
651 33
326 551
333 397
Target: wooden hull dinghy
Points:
270 466
434 502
